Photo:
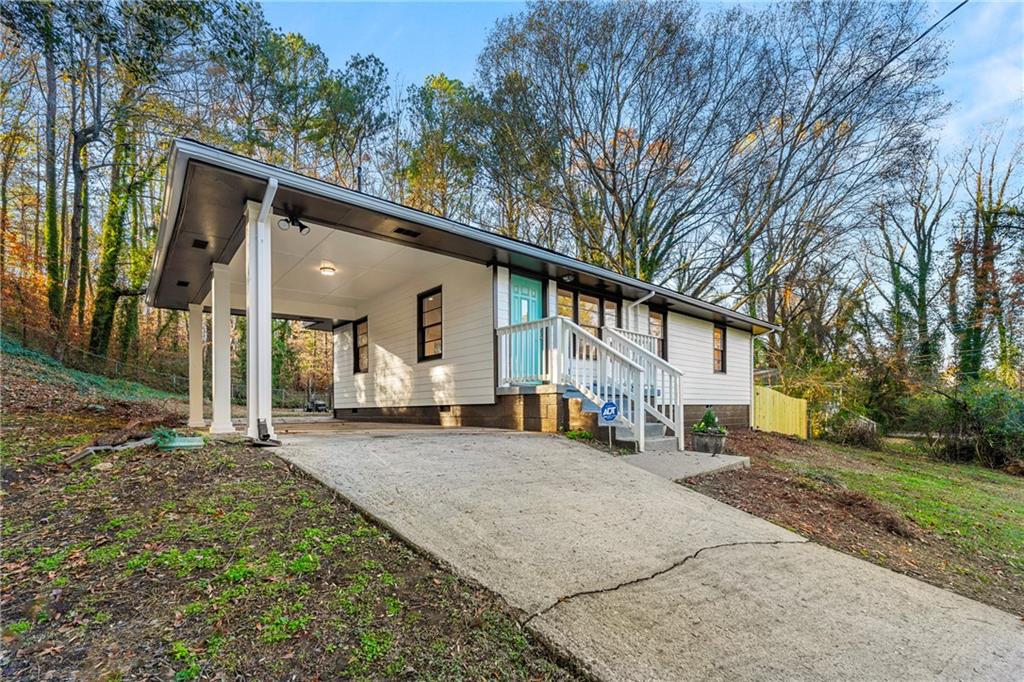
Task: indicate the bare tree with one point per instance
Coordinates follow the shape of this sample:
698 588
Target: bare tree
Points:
841 126
912 227
645 102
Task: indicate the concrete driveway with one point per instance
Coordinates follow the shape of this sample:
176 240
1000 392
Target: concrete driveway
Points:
634 577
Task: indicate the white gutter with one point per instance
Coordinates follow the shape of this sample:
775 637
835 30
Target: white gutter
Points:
169 213
632 305
190 149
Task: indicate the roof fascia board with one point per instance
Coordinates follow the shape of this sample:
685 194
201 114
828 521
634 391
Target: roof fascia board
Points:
189 149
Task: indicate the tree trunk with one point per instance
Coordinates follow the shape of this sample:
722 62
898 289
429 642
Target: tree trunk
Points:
4 223
83 272
74 243
111 244
53 270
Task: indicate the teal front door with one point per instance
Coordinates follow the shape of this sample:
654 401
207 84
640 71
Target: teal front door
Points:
527 349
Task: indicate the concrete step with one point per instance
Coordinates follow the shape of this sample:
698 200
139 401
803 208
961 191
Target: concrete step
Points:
661 444
651 431
678 466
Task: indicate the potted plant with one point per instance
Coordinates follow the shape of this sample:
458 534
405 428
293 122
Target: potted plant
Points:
708 434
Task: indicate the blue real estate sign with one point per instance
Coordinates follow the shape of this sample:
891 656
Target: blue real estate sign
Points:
609 413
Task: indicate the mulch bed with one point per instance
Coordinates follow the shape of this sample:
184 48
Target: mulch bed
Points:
823 510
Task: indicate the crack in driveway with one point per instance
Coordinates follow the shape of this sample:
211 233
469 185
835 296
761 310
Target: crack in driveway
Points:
659 572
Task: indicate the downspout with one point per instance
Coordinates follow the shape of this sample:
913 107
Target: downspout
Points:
259 398
268 198
632 305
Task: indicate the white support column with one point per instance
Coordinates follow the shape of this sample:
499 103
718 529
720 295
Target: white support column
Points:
221 355
195 366
257 311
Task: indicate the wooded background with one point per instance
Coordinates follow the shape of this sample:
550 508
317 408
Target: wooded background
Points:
778 159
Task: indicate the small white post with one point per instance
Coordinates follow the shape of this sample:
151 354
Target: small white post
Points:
195 366
639 411
221 355
257 311
753 392
680 415
555 330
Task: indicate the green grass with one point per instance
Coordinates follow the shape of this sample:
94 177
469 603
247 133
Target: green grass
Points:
49 370
978 509
219 563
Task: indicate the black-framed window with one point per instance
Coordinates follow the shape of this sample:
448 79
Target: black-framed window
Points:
567 303
429 325
360 346
718 347
612 309
589 310
657 326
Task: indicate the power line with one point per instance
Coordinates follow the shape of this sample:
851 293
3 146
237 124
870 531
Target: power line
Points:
915 41
893 58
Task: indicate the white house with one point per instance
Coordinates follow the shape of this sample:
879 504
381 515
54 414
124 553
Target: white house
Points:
434 321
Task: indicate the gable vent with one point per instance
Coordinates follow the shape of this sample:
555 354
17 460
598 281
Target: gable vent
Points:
406 232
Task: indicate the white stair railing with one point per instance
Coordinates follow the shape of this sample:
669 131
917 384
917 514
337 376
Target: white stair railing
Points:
557 350
663 390
648 342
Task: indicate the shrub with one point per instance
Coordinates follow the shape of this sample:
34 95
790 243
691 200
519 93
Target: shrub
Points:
985 424
926 412
709 424
849 428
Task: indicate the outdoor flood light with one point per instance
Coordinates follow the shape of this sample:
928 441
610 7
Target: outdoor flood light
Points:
293 221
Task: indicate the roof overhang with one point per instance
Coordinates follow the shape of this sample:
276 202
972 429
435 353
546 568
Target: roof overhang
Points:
203 222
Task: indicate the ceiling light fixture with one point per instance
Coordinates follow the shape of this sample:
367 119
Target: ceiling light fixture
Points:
293 221
327 268
568 277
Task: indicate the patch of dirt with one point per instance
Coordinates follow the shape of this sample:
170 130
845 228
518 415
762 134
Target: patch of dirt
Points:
820 508
222 563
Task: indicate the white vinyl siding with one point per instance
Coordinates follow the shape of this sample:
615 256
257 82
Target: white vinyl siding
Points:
635 317
690 349
502 297
464 375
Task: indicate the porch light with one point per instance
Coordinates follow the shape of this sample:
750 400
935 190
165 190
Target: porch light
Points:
327 269
293 221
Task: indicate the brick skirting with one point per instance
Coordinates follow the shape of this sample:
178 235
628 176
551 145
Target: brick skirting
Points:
545 412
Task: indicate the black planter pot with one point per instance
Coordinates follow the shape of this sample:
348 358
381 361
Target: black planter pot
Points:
709 442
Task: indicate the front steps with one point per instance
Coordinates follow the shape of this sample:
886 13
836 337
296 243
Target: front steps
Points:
657 437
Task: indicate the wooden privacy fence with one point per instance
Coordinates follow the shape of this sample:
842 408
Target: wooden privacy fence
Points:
774 411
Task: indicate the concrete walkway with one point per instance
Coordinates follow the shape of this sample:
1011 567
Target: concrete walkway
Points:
635 577
678 466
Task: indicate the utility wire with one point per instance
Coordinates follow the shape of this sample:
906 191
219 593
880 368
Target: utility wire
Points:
890 60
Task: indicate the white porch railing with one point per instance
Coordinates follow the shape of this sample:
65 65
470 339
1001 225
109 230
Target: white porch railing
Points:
648 342
663 390
558 351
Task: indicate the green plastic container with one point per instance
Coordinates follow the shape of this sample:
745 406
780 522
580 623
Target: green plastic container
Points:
183 443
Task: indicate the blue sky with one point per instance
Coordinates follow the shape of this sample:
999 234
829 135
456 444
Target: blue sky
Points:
986 60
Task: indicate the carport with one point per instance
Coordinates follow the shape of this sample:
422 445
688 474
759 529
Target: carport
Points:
241 237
